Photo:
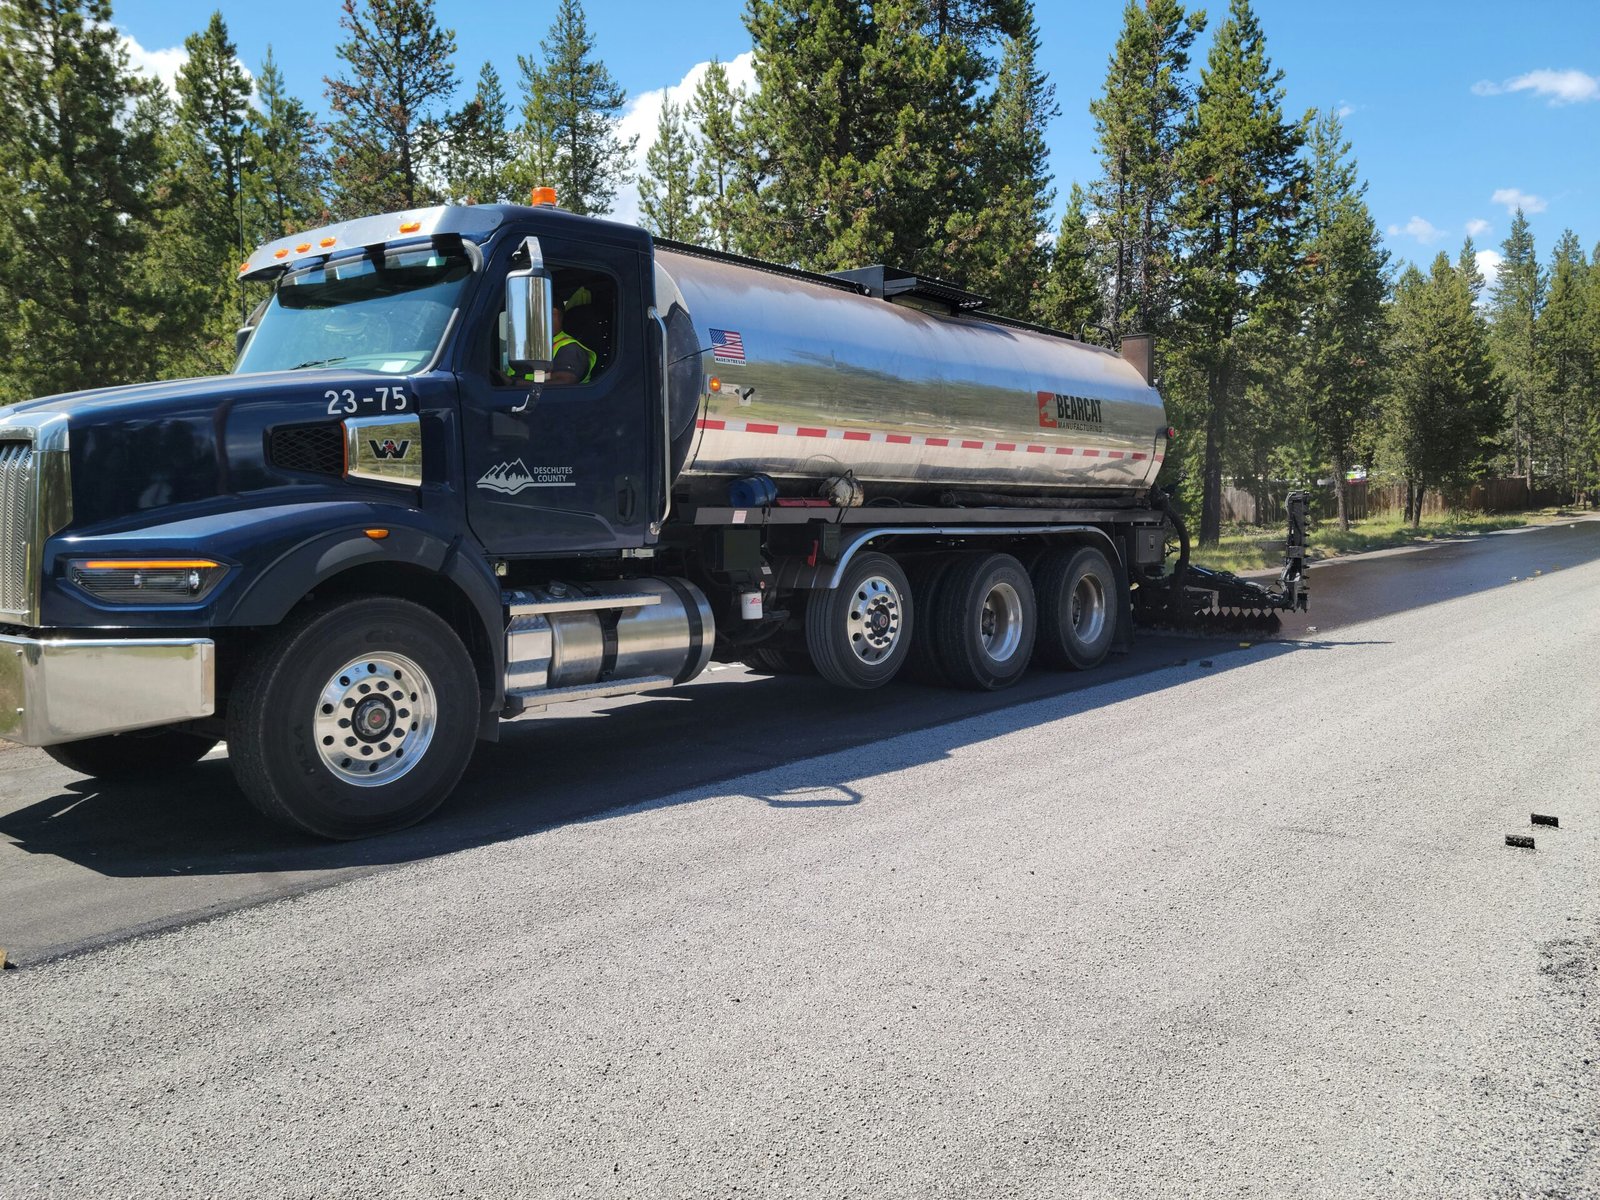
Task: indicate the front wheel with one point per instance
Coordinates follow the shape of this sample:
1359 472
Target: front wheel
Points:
356 719
858 633
133 755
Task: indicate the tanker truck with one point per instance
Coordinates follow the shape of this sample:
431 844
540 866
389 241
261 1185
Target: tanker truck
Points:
394 526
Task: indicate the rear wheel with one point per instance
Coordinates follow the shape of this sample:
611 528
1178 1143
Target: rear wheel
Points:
1077 608
780 660
922 660
357 719
984 622
859 632
133 755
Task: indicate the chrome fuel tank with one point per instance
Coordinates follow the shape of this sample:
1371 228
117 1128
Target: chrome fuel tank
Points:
800 379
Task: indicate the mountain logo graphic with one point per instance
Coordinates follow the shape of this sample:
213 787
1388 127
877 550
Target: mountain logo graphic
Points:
509 478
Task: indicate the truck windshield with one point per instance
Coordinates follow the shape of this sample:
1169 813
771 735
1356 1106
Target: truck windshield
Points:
377 313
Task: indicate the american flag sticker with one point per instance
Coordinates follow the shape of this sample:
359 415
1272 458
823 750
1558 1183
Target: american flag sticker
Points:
727 346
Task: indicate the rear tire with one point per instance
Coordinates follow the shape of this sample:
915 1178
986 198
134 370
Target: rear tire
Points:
133 755
984 622
358 718
922 660
780 660
1077 592
858 633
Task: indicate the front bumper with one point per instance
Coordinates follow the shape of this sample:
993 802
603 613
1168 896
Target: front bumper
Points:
54 691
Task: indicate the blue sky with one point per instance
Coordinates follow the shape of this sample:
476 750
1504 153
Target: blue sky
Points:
1456 110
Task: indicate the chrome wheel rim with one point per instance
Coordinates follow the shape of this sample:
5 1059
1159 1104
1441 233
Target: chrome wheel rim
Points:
876 617
1088 608
1000 622
375 719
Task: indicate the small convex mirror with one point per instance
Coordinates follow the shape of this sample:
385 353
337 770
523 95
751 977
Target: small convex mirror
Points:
529 301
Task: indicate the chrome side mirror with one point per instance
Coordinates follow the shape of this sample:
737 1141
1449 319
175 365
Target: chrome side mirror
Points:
530 300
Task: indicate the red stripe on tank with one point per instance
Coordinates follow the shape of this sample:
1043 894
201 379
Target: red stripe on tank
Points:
711 423
1005 445
1035 449
754 427
898 438
856 435
1091 454
937 441
805 432
972 445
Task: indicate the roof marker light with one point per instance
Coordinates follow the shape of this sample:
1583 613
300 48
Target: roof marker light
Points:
281 254
302 247
543 197
411 227
326 242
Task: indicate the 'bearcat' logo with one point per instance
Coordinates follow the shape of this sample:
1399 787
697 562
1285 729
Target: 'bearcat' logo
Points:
1056 410
389 448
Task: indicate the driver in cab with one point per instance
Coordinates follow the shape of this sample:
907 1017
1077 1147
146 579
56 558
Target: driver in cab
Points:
574 362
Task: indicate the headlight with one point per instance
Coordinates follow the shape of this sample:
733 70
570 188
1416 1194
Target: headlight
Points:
147 581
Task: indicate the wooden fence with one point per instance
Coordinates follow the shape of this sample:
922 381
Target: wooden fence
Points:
1264 505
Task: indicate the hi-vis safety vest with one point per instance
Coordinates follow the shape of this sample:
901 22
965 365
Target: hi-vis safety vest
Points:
566 339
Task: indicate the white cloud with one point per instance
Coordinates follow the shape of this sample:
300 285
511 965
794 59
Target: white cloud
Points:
1418 228
1558 87
1345 109
1515 198
158 64
1477 227
1489 266
644 110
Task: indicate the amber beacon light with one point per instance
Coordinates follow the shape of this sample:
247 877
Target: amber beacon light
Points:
544 197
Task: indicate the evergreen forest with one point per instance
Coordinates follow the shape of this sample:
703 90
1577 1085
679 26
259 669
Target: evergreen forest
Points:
1291 348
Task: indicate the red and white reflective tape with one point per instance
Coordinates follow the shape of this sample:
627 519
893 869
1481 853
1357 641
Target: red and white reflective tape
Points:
907 439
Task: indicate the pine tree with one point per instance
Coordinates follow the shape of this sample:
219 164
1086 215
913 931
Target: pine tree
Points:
479 157
1344 321
74 170
860 127
388 125
570 115
1138 122
667 196
717 108
998 246
1564 341
1515 302
213 109
1445 409
1072 300
286 181
1240 225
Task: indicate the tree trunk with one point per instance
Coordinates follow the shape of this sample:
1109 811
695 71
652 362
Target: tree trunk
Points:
1211 471
1416 508
1339 489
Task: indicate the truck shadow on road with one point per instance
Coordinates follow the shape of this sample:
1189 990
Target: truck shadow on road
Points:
673 748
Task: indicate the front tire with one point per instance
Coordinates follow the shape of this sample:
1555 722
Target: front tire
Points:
859 632
133 755
358 718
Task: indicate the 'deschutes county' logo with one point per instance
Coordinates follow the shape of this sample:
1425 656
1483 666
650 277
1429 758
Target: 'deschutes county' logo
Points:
1057 411
510 478
389 447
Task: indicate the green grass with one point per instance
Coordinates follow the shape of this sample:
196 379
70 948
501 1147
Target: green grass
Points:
1251 548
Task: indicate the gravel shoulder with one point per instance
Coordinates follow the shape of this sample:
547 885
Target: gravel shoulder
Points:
1250 929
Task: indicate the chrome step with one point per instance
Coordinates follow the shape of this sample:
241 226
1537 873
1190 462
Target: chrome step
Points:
536 700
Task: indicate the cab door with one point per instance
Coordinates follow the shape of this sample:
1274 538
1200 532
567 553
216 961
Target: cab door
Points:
562 469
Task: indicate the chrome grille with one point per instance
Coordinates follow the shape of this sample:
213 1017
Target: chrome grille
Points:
19 494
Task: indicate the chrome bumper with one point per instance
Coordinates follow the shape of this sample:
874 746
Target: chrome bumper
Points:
61 691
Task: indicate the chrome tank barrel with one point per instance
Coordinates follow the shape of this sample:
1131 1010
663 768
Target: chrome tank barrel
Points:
814 380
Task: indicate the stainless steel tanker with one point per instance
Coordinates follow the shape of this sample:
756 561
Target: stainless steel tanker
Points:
805 376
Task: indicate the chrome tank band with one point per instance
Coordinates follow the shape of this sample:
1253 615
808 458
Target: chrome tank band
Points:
56 690
834 381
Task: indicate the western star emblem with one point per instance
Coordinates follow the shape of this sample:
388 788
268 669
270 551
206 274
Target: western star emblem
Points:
389 448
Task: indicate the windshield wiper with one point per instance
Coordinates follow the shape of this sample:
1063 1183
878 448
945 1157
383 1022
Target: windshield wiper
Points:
318 362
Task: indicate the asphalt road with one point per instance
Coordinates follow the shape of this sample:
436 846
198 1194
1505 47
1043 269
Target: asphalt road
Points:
84 864
1246 929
